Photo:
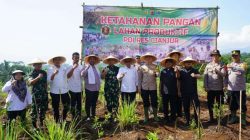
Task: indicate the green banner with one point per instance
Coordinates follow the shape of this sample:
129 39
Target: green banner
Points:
122 31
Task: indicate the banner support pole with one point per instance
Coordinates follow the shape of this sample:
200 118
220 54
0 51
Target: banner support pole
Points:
82 46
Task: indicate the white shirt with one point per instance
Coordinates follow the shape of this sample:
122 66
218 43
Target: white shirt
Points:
13 103
75 81
60 83
130 80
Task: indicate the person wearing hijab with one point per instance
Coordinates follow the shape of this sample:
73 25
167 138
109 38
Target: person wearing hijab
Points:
19 97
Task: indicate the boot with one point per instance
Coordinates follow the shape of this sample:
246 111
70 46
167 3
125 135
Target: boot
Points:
146 116
243 119
155 110
212 120
233 118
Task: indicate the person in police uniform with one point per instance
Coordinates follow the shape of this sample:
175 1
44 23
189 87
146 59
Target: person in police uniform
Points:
236 82
176 55
214 75
147 85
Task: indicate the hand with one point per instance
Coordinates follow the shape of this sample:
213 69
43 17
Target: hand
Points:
75 66
56 71
216 71
123 74
192 74
40 75
225 89
229 66
206 89
105 71
13 83
176 69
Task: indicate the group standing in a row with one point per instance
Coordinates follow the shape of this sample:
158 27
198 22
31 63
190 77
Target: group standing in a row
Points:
178 86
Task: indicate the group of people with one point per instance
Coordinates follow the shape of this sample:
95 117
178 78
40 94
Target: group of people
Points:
177 87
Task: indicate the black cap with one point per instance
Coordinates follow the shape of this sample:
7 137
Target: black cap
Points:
215 52
236 52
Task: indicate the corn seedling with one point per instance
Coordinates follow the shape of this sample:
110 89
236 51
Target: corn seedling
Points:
197 130
219 112
99 127
56 131
152 136
127 115
11 131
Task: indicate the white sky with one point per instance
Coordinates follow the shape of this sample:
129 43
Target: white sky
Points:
45 28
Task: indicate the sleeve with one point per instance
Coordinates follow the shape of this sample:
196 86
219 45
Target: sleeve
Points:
50 72
119 74
29 97
140 76
222 71
84 71
68 69
181 75
136 78
7 87
205 78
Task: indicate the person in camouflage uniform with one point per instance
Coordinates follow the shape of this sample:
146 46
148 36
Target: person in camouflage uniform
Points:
38 81
111 87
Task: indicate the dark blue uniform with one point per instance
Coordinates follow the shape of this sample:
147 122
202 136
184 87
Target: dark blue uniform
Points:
169 92
188 85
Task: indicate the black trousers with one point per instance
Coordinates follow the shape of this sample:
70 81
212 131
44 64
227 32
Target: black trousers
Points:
90 102
169 99
235 101
179 106
188 99
76 103
211 97
149 97
12 115
56 98
128 97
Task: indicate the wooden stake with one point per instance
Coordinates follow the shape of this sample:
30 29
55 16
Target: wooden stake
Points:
240 115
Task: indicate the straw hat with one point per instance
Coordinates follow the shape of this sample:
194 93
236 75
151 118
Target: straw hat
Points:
175 51
18 71
188 59
127 58
148 55
97 59
111 57
37 61
63 59
163 61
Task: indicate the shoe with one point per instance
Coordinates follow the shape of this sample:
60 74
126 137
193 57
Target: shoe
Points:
233 118
155 110
88 119
146 115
